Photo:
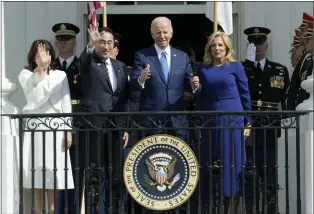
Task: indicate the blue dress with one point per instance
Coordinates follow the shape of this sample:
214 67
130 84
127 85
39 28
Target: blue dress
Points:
223 88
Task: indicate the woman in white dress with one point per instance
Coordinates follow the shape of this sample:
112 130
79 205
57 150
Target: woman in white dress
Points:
46 91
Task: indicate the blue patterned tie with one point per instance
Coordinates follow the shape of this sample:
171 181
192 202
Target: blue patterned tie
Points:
164 65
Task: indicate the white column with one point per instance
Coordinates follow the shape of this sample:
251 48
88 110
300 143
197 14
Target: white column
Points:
308 143
8 147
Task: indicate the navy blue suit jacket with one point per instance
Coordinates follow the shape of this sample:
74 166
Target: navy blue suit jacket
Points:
159 95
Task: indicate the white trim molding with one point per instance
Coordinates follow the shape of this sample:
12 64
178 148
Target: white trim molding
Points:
156 9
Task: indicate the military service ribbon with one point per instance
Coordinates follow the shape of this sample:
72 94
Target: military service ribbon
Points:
75 78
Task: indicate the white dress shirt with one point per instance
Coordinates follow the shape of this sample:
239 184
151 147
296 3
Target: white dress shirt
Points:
262 62
69 60
159 51
168 54
112 74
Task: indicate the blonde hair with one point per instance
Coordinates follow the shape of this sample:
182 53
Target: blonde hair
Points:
208 58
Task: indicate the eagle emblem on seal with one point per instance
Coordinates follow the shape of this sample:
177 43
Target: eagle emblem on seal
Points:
161 167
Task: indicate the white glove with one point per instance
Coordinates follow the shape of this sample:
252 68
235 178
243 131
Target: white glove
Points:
251 52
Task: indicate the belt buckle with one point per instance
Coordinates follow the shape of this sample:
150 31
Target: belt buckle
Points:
75 102
259 103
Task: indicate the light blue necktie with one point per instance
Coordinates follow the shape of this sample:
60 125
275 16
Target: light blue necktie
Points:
164 65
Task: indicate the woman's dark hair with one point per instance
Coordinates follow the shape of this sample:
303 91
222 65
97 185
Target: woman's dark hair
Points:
32 53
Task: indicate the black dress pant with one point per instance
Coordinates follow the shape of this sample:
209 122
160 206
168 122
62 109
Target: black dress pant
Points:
102 152
265 177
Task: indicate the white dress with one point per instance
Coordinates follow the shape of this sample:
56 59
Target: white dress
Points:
50 94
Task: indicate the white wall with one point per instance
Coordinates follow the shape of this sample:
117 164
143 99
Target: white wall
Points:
282 18
25 22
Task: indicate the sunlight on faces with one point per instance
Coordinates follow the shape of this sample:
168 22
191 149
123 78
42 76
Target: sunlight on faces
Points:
66 46
105 45
261 50
218 48
161 30
114 53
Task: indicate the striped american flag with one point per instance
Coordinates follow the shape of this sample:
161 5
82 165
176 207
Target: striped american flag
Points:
92 7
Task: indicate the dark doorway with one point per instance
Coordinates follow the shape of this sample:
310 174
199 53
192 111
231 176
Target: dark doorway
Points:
135 30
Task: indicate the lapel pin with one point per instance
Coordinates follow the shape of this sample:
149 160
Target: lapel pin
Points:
99 64
268 66
174 55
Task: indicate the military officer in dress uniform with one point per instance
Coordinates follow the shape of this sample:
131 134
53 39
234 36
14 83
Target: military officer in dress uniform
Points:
268 82
303 28
65 34
297 49
115 51
296 94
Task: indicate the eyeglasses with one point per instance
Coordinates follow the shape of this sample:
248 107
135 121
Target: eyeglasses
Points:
109 43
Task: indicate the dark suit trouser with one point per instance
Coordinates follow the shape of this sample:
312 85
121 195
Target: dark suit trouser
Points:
265 178
103 151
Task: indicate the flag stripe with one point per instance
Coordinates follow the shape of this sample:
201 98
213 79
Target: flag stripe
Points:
91 9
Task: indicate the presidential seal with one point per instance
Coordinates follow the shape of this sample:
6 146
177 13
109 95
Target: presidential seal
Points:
161 172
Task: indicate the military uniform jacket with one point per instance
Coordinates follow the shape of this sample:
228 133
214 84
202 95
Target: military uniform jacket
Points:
74 78
267 87
296 94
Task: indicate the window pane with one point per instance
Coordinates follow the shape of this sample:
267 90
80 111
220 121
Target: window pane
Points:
160 2
120 2
196 2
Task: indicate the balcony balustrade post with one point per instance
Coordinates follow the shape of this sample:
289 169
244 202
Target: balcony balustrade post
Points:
9 137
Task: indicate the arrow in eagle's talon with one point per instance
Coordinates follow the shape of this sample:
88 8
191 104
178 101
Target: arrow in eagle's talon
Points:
175 179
